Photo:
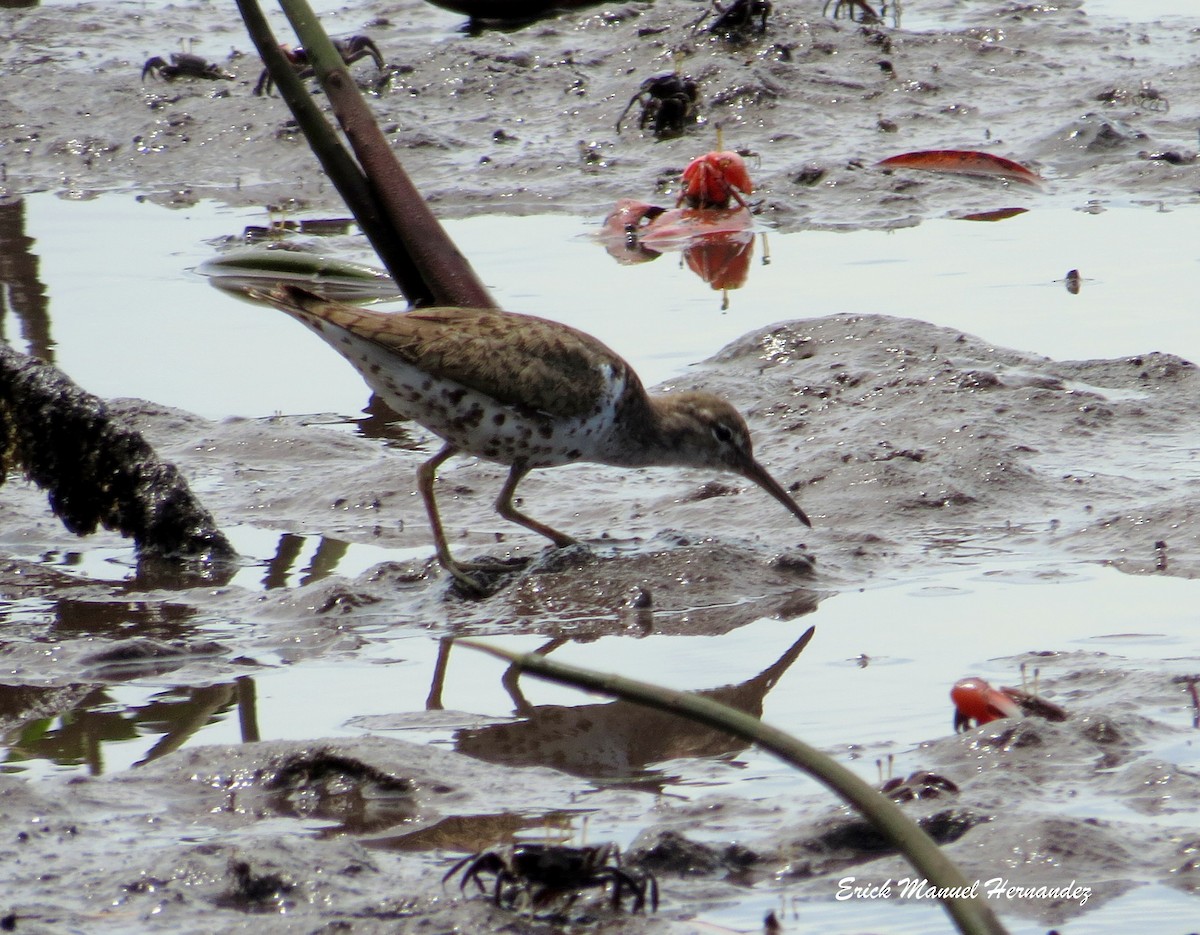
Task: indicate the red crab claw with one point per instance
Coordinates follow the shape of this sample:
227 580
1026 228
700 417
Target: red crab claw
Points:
976 701
714 179
630 216
623 229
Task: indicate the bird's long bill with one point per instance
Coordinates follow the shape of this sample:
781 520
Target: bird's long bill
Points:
757 473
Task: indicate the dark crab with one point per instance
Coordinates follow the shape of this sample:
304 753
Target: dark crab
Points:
351 49
1147 96
183 65
740 18
668 104
545 872
922 784
857 11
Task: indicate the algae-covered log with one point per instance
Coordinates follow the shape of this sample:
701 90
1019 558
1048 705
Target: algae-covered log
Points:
96 471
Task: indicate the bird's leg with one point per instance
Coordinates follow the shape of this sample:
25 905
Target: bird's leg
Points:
504 506
425 478
425 475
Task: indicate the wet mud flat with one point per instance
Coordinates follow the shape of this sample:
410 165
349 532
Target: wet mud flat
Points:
525 121
910 446
971 456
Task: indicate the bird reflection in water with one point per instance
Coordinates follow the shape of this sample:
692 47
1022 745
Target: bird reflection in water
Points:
615 740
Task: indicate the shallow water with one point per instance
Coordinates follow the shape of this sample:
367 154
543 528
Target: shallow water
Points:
876 674
114 268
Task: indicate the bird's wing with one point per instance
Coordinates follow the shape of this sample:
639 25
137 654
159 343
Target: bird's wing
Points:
519 360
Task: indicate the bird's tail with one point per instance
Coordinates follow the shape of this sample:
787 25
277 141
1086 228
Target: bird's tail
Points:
317 312
285 297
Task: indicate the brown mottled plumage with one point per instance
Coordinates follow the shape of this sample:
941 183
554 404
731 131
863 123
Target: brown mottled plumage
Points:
526 392
547 367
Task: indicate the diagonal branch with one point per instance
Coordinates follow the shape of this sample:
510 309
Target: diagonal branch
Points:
338 164
410 241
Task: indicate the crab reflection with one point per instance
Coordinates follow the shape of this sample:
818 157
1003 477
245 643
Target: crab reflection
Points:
717 244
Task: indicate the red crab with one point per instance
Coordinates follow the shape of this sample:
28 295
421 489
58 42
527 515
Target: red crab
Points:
977 703
715 235
714 180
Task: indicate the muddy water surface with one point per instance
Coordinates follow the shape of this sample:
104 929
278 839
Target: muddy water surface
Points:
1000 474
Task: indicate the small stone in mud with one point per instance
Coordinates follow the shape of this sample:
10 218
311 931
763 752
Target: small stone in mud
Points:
250 889
639 598
321 768
797 562
948 826
1171 156
671 852
555 560
810 175
1021 734
739 855
979 380
862 838
713 489
326 785
1101 730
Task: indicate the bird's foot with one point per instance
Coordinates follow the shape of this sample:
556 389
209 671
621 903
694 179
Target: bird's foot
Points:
495 566
483 578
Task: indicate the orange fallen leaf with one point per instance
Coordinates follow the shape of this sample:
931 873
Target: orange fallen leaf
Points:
1000 214
962 162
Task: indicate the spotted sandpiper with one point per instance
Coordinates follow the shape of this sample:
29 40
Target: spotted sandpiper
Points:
526 392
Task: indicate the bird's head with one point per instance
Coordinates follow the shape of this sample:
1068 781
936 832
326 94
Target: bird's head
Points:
702 430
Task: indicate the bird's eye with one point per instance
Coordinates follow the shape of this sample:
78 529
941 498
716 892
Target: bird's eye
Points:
722 433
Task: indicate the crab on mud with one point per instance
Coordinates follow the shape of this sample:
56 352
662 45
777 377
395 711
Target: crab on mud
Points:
351 49
183 65
922 784
714 180
1147 96
545 872
857 11
668 104
977 703
739 19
